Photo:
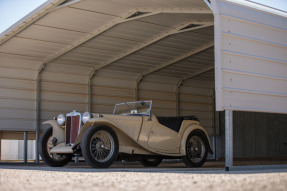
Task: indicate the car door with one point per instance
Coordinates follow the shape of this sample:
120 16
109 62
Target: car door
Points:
163 139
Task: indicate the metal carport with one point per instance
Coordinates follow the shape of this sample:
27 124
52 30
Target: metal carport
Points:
89 55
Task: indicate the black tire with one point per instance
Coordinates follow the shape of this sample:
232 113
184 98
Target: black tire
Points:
100 146
150 162
196 148
45 145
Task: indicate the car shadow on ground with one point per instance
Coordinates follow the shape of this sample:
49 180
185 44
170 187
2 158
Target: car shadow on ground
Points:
209 168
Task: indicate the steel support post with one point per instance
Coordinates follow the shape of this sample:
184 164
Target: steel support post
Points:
214 125
90 94
140 78
228 139
38 89
0 143
25 146
177 96
177 102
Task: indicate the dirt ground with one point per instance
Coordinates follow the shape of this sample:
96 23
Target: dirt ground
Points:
135 178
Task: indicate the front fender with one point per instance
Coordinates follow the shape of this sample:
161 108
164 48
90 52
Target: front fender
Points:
91 122
188 130
126 143
58 131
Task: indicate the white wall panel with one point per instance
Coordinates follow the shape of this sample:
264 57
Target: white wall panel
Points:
251 59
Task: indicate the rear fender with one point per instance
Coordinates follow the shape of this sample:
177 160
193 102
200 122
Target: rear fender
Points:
58 131
188 130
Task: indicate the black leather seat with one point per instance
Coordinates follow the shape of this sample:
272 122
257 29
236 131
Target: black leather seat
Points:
174 123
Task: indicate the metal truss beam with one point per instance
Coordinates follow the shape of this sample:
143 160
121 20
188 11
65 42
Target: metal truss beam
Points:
138 81
192 75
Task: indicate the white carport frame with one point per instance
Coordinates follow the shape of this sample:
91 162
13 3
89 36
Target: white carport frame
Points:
244 42
50 7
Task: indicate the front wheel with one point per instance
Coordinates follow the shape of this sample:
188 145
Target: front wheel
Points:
196 150
45 146
100 146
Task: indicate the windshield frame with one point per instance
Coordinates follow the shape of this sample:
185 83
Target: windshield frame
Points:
135 102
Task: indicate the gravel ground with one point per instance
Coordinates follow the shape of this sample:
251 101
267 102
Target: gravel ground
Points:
138 179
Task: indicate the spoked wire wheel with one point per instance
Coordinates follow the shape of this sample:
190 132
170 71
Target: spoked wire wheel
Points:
196 150
57 157
100 146
45 147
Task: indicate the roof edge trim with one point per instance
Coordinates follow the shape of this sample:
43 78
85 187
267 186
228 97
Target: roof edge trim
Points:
260 7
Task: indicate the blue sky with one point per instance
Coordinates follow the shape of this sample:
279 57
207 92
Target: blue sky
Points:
12 11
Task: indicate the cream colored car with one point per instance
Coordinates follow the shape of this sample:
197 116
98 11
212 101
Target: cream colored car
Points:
130 133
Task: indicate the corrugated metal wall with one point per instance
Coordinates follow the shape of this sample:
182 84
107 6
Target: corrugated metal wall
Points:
257 135
111 87
196 98
18 92
64 88
161 91
251 59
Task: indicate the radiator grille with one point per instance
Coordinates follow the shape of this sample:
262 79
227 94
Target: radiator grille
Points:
72 128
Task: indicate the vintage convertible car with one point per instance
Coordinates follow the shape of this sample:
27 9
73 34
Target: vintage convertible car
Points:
130 133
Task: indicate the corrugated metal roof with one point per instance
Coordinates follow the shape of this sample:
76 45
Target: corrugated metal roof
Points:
124 36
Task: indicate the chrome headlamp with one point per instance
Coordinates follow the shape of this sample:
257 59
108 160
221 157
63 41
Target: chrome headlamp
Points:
85 117
61 119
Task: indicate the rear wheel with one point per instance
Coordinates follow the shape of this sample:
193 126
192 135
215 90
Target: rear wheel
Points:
196 150
150 162
100 146
45 146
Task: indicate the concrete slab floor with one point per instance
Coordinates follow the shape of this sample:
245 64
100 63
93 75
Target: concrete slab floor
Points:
134 177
